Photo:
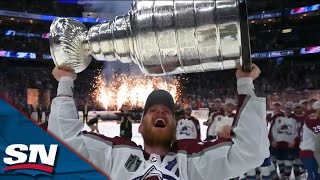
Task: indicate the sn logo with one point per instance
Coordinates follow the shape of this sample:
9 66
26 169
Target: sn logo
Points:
18 159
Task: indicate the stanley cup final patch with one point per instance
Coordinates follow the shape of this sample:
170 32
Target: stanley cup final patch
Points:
133 163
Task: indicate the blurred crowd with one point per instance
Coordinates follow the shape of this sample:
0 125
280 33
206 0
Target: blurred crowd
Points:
198 90
285 33
47 7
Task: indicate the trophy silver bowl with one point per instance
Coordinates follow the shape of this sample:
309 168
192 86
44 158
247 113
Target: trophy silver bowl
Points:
161 37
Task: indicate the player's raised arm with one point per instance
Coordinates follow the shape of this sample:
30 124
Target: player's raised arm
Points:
248 147
65 124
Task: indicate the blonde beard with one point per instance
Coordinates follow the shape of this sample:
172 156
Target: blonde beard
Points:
158 140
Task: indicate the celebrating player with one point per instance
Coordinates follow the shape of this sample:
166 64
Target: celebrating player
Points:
310 144
225 117
162 158
188 127
284 136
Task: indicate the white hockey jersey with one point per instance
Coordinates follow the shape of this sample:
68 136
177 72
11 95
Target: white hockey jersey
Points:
310 144
187 160
186 129
218 121
285 129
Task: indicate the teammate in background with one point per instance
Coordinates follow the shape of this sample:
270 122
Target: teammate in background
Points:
187 113
93 123
300 116
276 112
162 157
310 144
125 123
225 117
311 102
188 127
284 138
217 105
305 105
179 114
298 110
310 109
268 167
216 108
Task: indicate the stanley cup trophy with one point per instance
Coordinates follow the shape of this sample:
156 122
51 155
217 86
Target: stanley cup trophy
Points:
161 37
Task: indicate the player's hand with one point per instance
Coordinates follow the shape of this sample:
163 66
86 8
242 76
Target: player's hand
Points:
64 70
274 144
254 74
225 132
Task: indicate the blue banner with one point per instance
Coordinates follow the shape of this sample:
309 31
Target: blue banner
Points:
273 14
24 34
18 55
28 152
46 17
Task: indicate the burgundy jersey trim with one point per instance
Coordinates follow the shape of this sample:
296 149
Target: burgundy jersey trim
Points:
299 118
197 125
309 112
242 102
192 146
305 154
313 124
269 117
116 141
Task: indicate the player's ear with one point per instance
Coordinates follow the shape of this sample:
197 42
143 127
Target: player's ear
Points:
140 129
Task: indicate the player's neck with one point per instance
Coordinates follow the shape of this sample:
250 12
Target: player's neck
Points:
162 151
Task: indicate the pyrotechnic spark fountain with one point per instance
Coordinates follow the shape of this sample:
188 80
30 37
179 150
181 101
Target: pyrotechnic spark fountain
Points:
130 90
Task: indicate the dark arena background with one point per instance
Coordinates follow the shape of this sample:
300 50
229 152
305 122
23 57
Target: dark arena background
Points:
285 44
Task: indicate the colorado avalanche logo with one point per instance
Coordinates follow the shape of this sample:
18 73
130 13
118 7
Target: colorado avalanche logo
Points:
285 129
186 130
154 174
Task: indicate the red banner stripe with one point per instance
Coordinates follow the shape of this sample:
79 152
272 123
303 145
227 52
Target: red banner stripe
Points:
39 167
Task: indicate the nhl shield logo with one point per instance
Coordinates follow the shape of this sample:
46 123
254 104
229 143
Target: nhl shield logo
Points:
133 163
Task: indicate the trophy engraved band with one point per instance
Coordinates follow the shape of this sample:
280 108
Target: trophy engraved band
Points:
161 37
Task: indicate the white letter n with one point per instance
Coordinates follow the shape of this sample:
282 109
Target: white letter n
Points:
46 158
